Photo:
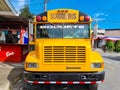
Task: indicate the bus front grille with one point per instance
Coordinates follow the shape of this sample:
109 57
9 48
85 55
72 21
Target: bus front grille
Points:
64 54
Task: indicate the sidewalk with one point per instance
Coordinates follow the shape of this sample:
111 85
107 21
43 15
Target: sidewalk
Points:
9 74
107 53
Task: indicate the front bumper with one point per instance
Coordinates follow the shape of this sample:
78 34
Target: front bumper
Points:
64 78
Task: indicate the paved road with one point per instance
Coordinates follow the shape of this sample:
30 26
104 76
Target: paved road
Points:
112 69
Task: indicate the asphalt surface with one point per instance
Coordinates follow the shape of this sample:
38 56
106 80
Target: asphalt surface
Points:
112 69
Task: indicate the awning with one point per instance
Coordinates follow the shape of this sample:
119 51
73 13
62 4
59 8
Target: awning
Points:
6 8
8 13
113 38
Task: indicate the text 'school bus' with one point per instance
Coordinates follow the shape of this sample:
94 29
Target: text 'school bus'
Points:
63 53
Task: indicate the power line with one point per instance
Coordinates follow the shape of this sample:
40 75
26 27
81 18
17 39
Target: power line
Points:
28 1
31 4
19 1
23 1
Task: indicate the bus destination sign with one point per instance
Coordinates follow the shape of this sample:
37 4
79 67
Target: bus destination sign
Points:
63 15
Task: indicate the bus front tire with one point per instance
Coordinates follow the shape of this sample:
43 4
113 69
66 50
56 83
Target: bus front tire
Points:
93 87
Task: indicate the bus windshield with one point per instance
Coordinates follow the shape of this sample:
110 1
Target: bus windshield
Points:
63 31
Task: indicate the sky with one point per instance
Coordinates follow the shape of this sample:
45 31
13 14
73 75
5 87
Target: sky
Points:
105 12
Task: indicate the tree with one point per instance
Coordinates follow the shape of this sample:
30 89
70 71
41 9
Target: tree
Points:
25 13
109 46
117 46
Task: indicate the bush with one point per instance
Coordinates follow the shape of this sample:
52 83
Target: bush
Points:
117 46
109 46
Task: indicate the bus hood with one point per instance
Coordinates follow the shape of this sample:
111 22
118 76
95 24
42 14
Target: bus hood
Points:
63 51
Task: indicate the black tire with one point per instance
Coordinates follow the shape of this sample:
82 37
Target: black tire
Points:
68 87
93 87
28 86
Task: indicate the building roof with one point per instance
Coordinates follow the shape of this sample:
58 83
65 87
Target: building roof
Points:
112 33
112 29
6 8
100 31
8 13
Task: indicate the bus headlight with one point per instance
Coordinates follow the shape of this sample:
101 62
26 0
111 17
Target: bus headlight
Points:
96 65
32 65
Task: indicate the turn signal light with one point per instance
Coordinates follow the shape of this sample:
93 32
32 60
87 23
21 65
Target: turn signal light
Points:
81 18
44 18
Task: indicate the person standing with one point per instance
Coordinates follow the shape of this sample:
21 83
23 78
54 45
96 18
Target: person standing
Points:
10 38
2 37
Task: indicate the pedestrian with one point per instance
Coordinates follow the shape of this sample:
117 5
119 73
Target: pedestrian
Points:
10 38
2 37
104 45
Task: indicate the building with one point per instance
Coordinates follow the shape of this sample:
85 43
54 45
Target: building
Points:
9 18
103 35
99 38
10 21
112 34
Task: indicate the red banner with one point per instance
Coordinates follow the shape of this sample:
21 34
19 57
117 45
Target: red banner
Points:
12 53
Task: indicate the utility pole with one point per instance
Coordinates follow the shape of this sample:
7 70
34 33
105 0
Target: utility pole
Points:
45 5
95 31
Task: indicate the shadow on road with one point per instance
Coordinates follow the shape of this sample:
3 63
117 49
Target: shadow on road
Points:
14 76
15 65
115 58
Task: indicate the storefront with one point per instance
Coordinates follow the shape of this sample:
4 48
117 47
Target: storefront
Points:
99 40
112 38
13 39
13 34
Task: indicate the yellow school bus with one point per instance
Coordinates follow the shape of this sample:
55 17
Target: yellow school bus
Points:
63 53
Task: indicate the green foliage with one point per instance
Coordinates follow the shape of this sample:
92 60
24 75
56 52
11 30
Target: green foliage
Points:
109 46
117 46
25 13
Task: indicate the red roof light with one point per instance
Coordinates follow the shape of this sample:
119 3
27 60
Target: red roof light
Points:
38 18
87 18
